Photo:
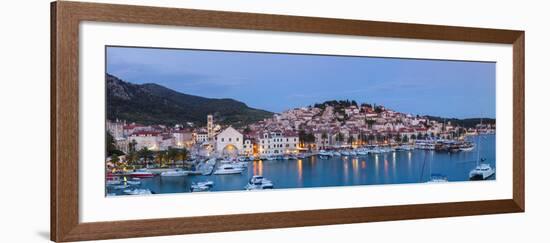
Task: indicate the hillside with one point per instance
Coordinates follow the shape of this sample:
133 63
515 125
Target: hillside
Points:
156 104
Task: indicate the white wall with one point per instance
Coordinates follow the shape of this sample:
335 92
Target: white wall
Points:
24 99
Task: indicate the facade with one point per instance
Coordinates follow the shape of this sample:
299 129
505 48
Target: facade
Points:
210 127
116 129
183 139
201 137
229 141
144 139
277 143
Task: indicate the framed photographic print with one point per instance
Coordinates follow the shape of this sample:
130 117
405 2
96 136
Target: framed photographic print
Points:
177 121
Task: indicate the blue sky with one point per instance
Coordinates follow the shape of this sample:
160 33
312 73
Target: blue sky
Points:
277 82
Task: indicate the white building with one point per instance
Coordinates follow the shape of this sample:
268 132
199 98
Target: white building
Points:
183 139
116 129
144 139
201 137
277 143
229 141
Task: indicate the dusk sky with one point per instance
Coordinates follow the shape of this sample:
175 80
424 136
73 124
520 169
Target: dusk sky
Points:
277 82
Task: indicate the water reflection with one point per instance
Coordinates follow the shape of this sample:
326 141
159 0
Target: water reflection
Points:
406 167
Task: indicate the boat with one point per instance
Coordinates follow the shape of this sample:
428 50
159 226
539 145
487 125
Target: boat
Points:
133 183
467 147
438 178
336 153
119 187
206 183
138 191
482 172
202 186
270 158
111 182
258 182
301 156
361 152
226 169
174 173
142 173
345 153
199 188
323 154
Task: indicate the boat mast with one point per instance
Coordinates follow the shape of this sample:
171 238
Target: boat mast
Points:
479 143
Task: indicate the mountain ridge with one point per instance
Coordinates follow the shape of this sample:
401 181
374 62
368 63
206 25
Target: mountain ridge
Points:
155 104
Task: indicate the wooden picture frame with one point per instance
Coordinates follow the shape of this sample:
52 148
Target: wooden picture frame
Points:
65 19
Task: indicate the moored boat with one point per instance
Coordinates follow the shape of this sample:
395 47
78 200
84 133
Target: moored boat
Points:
142 173
226 169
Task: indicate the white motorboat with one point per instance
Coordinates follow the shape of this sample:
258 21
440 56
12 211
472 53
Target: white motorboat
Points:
112 182
202 186
438 178
133 182
361 152
270 158
122 186
226 169
258 182
199 188
336 153
174 173
142 173
482 172
467 147
138 191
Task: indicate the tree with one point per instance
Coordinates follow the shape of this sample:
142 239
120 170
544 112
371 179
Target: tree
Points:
111 145
115 159
405 138
302 137
145 154
398 139
132 146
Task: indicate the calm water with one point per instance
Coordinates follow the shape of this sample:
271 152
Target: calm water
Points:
389 168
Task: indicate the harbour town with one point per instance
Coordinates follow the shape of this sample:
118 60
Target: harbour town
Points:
334 143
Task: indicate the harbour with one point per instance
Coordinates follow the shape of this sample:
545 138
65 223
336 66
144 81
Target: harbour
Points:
396 166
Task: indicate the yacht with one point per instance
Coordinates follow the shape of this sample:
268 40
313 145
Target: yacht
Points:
199 188
270 158
258 182
133 182
482 172
336 153
174 173
438 178
467 147
202 186
226 169
142 173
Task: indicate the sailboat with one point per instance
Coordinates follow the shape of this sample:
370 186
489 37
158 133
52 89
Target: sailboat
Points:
481 171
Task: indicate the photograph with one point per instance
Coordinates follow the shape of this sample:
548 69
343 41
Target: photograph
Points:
191 120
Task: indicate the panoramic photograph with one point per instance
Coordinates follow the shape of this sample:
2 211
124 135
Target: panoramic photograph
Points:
203 121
